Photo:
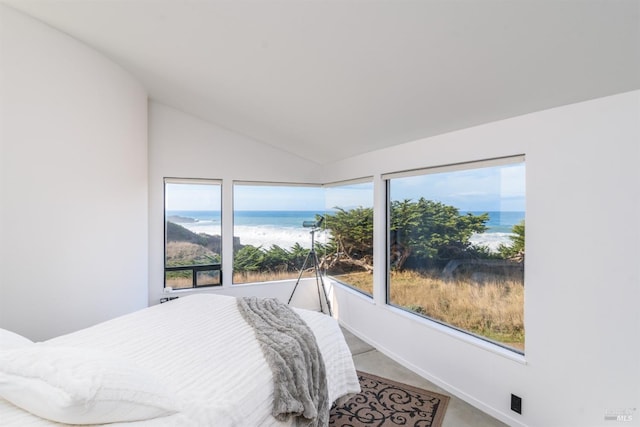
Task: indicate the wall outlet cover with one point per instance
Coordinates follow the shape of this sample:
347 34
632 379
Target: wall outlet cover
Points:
516 404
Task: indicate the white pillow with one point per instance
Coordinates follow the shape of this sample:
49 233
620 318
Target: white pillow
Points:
10 339
81 386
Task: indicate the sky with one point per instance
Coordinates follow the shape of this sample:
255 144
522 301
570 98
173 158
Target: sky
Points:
349 196
498 188
192 197
277 198
269 197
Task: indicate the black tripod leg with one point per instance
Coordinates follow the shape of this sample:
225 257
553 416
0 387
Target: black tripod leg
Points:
318 278
321 283
304 265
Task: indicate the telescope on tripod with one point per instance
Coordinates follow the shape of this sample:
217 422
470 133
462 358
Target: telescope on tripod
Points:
312 257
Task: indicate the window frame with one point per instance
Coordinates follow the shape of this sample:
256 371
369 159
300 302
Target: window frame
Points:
461 166
363 180
251 183
196 268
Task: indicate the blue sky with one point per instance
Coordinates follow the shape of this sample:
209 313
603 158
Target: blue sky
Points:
300 198
277 198
349 196
499 188
269 197
192 197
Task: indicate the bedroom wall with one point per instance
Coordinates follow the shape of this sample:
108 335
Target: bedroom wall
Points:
73 183
582 270
184 146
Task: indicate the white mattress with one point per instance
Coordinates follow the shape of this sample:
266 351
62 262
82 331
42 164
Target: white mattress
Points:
208 354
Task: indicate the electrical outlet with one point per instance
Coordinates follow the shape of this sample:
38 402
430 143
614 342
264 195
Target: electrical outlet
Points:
516 404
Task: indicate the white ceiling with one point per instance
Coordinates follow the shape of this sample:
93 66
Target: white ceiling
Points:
330 79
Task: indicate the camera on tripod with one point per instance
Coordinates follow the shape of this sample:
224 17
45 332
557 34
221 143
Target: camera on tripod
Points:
313 224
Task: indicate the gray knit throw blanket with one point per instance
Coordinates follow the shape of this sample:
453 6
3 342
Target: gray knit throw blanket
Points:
291 350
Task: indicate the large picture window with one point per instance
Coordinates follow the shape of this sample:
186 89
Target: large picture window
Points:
270 239
457 247
192 233
348 255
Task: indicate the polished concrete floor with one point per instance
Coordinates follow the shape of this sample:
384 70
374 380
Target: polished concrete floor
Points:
459 413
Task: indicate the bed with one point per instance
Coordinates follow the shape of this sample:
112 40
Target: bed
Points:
196 357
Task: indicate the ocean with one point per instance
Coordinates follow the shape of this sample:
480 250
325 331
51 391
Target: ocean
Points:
284 228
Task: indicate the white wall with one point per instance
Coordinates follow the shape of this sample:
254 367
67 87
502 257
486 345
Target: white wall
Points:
183 146
582 268
73 186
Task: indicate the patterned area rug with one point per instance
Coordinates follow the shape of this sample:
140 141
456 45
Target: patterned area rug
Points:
385 403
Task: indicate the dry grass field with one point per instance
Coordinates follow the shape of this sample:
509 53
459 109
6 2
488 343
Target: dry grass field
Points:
253 277
494 310
177 282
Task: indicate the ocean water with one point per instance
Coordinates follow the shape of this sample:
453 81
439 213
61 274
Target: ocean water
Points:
284 228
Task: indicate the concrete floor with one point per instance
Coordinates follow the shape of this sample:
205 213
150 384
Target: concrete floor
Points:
459 413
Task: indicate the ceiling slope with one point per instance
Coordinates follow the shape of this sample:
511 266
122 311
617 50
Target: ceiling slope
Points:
327 80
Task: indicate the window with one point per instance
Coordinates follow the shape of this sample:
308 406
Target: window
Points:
456 247
348 255
192 233
270 239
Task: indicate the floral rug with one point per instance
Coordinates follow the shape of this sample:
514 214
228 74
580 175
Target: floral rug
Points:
385 403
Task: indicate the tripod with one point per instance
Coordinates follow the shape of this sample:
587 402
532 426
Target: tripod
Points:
319 281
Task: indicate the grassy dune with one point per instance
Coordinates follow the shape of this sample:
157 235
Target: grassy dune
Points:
256 276
177 282
187 253
361 280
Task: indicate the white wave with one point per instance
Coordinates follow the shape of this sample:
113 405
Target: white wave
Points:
263 235
491 240
285 237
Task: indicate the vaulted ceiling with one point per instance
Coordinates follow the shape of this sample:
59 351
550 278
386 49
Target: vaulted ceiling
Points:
331 79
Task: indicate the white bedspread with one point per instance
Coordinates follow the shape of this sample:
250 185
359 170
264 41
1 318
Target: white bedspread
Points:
204 350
